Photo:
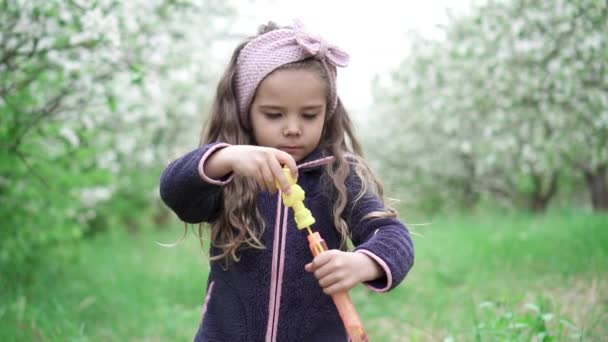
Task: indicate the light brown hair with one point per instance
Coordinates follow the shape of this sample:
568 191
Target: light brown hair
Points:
240 225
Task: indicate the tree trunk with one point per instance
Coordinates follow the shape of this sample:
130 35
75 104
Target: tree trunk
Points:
539 200
471 194
598 187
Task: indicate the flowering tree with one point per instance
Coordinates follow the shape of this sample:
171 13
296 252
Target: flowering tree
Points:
514 95
94 98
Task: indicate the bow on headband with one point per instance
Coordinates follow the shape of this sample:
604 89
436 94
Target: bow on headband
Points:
318 47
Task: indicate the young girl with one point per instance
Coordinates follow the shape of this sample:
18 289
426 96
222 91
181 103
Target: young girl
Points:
277 105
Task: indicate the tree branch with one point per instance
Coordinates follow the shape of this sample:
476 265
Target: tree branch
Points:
48 110
31 169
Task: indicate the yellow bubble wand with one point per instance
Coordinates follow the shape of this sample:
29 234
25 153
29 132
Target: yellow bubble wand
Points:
304 220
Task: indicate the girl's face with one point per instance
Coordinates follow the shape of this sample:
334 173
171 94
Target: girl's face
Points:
288 111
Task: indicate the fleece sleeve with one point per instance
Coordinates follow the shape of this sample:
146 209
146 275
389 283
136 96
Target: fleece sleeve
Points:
386 240
185 188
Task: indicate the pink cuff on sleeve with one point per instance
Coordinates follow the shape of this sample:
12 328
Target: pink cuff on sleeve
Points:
387 271
201 163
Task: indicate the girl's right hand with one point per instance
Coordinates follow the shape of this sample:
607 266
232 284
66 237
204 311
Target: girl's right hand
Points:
258 162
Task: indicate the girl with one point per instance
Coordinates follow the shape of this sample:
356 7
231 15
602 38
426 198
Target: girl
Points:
277 105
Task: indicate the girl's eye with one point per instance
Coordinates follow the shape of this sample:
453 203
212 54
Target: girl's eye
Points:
273 116
309 116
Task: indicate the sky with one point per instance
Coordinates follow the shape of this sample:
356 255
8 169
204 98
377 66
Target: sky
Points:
374 33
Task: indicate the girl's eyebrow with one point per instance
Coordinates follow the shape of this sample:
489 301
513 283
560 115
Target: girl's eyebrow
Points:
319 106
271 107
277 107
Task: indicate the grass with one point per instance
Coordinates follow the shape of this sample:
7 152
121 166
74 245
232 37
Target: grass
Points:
481 278
491 278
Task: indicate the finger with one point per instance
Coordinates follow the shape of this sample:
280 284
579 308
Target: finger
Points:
322 259
328 262
259 178
286 159
308 267
279 175
324 271
329 280
268 178
336 288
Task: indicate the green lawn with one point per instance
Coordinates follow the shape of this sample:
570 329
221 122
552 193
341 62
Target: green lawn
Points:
499 277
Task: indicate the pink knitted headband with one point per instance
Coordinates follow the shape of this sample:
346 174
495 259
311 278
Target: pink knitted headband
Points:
264 54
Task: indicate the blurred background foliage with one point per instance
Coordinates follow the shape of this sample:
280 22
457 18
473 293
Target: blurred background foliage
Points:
507 111
510 108
94 99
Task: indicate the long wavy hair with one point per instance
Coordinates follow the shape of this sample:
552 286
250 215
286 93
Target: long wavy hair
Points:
240 225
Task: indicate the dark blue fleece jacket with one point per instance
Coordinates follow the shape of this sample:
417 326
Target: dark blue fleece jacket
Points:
267 295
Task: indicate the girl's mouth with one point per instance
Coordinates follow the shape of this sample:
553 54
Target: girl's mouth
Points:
290 149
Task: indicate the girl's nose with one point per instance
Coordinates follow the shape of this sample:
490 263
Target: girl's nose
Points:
292 128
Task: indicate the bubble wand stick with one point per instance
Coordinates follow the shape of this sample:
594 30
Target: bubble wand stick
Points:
304 220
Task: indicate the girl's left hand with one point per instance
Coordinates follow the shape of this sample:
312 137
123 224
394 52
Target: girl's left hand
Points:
340 271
